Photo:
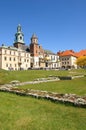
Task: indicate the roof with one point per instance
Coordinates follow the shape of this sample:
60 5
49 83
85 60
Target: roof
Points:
67 53
34 35
81 53
49 52
9 47
23 48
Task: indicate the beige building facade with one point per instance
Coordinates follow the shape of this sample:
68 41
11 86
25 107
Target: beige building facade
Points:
68 62
12 58
67 59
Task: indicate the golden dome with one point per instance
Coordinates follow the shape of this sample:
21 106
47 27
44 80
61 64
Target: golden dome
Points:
47 58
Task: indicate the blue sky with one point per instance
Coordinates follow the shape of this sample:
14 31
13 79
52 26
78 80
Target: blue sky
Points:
59 24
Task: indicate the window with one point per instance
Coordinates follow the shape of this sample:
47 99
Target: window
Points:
54 58
27 55
5 58
54 65
6 65
14 59
20 38
10 58
51 57
36 40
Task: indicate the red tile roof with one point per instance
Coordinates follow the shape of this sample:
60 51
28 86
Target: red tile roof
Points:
72 53
81 53
67 53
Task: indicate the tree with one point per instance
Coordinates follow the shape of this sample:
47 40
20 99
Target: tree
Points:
81 61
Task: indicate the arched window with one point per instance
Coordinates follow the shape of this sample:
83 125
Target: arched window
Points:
20 38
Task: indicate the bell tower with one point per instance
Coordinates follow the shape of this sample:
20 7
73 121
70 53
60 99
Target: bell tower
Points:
19 38
34 46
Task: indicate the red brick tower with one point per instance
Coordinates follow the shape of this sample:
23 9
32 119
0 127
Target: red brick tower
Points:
34 46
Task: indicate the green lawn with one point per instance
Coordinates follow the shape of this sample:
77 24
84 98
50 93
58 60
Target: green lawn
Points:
7 76
75 86
23 113
27 113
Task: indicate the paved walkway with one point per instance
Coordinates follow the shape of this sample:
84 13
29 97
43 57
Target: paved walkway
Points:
40 80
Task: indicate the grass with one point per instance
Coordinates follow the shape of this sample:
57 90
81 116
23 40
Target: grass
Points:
23 113
26 113
8 76
76 86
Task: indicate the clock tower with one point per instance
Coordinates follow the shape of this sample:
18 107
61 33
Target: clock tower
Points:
19 38
34 46
34 50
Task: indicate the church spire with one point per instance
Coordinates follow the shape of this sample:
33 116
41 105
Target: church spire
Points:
19 36
19 28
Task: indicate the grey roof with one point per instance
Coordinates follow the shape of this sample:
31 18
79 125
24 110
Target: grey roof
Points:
9 47
24 48
49 52
34 35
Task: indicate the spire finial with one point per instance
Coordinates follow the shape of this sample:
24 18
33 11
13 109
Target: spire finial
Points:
19 28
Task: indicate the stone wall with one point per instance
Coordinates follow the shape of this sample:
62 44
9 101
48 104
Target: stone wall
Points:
70 99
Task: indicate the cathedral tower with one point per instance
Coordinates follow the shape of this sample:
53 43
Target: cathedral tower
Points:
19 38
34 47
